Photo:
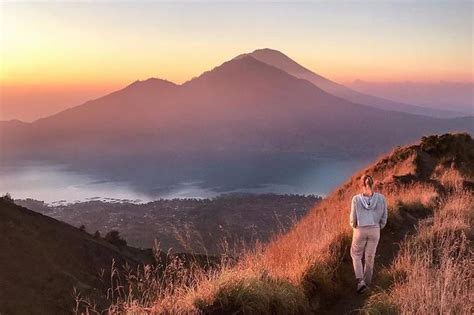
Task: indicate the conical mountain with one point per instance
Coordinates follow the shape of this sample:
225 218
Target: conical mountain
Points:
285 63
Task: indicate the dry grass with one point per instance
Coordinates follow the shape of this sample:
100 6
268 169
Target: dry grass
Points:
433 272
451 177
297 271
267 278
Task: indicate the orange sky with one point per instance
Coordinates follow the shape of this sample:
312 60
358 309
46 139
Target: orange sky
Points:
57 53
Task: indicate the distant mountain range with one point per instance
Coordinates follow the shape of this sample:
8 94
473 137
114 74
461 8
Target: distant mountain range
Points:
278 59
457 96
243 105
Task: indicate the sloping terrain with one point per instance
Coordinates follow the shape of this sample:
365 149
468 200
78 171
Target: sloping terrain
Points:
432 270
42 260
309 270
314 256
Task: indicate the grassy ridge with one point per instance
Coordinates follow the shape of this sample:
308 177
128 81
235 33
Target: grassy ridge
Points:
308 269
432 274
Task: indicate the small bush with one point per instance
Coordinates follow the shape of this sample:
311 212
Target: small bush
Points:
7 198
380 304
114 238
261 295
327 280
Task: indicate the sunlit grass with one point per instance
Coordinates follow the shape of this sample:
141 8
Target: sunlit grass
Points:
433 272
304 269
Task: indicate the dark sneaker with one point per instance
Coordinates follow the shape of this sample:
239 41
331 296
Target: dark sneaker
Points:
361 286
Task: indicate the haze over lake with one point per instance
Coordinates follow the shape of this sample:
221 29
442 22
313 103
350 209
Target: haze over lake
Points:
143 179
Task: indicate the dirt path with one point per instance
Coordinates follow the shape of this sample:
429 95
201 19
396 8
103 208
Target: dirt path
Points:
387 249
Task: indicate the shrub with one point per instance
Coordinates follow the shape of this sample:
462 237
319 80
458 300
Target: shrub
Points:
326 280
113 237
7 198
257 295
380 304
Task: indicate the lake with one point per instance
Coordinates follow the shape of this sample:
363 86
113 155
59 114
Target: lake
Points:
147 178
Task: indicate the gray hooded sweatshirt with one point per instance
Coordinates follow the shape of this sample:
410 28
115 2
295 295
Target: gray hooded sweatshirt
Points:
368 211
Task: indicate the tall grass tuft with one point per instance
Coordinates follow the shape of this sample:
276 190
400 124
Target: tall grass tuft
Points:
433 271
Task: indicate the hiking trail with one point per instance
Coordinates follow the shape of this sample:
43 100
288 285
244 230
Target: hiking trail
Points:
387 249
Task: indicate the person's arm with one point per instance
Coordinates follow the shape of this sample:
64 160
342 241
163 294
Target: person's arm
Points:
383 219
353 215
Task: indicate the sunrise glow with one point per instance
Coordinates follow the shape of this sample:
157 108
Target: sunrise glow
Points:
88 49
117 43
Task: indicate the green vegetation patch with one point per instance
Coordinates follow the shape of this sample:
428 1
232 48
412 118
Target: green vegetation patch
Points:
328 280
379 304
262 295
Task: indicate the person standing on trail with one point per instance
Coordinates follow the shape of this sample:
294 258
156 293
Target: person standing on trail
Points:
368 216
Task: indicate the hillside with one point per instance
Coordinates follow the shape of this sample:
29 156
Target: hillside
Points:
243 105
42 260
429 189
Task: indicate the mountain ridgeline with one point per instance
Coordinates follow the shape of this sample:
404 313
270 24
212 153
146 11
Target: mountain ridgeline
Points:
243 105
281 61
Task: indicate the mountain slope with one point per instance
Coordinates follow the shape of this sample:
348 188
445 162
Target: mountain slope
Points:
281 61
241 105
309 270
42 260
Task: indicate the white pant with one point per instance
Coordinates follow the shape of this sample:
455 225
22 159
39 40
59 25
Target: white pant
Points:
364 240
